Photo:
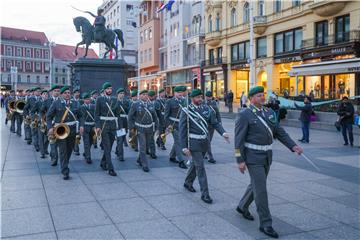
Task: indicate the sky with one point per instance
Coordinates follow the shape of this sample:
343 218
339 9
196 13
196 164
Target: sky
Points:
54 17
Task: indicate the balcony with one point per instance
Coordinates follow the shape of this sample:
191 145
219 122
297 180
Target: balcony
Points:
331 40
187 35
213 62
326 8
213 38
260 24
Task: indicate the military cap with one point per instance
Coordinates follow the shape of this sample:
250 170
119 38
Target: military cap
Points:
255 90
196 92
152 93
106 85
161 90
53 87
134 93
120 90
64 88
208 94
180 89
36 88
85 95
44 91
93 92
76 90
143 91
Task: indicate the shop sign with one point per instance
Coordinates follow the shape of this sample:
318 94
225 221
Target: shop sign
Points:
329 52
287 59
354 69
239 66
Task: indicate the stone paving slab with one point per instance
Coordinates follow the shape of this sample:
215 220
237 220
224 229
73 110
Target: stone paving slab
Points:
97 232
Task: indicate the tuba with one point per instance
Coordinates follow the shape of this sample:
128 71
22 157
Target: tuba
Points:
61 131
11 105
19 106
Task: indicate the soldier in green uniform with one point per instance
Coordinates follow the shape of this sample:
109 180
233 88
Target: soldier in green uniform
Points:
124 109
27 117
87 125
42 132
195 138
132 135
65 111
142 118
172 117
209 100
160 112
34 129
255 130
76 98
150 148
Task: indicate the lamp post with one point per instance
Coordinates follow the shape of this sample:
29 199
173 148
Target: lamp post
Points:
252 62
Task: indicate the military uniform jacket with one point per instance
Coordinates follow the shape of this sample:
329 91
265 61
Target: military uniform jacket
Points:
57 110
160 110
30 104
250 129
142 116
124 104
198 132
214 107
102 111
36 109
7 100
87 119
173 108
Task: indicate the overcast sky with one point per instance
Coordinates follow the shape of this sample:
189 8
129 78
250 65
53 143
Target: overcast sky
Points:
54 17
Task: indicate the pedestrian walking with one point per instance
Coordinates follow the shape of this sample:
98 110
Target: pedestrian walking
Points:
305 115
346 114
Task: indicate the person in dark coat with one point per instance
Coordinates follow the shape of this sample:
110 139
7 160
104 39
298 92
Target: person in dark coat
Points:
346 113
305 115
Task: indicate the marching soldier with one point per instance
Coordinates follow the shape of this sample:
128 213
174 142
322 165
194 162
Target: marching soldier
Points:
18 115
143 121
255 129
10 113
55 92
172 114
76 98
30 105
150 148
194 140
108 122
132 136
124 108
87 125
94 95
42 136
64 111
160 112
27 117
215 109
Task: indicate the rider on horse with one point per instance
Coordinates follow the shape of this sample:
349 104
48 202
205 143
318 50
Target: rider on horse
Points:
99 25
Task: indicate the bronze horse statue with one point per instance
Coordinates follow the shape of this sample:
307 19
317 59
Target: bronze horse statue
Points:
87 32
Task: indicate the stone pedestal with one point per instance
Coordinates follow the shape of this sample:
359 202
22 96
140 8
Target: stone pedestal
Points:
90 74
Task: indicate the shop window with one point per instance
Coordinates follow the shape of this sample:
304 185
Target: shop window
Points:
342 28
242 82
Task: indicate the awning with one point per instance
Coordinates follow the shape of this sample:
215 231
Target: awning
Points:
145 77
324 68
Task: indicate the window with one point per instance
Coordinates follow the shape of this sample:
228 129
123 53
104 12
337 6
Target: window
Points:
9 50
246 13
211 56
37 53
321 33
28 53
63 70
46 79
63 81
150 54
19 65
150 33
233 18
19 52
277 6
219 55
9 78
141 37
218 22
37 79
261 47
141 57
28 78
47 67
129 7
145 55
47 54
146 34
28 66
261 8
288 41
342 28
234 52
19 78
38 66
56 80
296 3
56 69
210 24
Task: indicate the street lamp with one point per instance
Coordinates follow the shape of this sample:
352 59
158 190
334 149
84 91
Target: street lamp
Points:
50 45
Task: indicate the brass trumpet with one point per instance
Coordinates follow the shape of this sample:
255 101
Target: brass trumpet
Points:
133 138
27 120
35 122
19 106
94 135
77 139
168 130
61 131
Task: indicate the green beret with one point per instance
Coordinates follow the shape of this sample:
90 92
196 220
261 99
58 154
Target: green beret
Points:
53 87
180 89
134 93
196 92
208 94
44 91
27 90
255 90
64 88
85 95
161 90
106 85
120 90
93 92
101 90
20 90
76 90
143 91
36 88
152 93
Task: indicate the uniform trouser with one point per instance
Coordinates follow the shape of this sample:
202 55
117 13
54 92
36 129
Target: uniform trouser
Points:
134 144
43 142
120 146
76 148
176 150
54 154
107 140
257 191
66 147
150 146
35 137
161 131
12 123
144 139
19 120
209 152
197 168
27 130
88 141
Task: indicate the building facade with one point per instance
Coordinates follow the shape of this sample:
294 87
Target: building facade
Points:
123 15
288 36
29 52
182 44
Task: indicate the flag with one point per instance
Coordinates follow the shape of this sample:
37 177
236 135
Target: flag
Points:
169 4
161 7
